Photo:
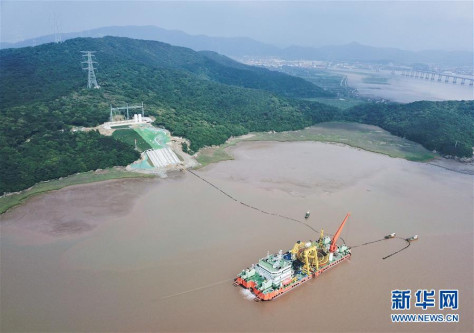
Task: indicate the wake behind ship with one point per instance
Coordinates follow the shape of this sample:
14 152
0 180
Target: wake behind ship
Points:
279 273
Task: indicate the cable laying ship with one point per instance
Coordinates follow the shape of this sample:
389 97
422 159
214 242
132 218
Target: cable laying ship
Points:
279 273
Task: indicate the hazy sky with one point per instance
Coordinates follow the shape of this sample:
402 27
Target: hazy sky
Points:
414 25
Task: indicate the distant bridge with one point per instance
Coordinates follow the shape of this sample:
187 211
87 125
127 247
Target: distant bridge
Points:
440 77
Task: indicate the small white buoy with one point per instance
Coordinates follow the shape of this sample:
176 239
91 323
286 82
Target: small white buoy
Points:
412 238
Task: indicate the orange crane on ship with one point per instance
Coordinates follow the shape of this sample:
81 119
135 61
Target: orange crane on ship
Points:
333 246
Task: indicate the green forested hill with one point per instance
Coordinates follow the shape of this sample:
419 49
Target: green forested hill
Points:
447 127
42 94
52 70
261 78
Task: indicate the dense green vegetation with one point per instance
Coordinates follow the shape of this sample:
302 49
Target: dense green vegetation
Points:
261 78
447 127
199 95
340 103
42 95
48 71
208 114
54 154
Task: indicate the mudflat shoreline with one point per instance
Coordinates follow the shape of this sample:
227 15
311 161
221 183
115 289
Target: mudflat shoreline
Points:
358 136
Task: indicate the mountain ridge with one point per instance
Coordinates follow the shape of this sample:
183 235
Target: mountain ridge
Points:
238 47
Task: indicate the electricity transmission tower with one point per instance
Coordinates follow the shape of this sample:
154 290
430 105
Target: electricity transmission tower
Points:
91 80
57 28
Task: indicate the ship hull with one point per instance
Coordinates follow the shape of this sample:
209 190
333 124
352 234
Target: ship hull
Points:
260 296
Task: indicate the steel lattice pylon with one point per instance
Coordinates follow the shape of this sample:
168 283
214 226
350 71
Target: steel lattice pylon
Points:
91 80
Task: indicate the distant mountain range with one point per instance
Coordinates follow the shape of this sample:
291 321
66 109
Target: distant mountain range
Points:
238 47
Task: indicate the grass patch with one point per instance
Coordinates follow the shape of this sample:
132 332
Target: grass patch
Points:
156 138
12 200
210 155
341 103
366 137
129 136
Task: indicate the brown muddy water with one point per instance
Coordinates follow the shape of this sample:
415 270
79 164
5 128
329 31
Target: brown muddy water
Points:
160 255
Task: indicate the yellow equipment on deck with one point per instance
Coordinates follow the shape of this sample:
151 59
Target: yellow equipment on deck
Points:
309 255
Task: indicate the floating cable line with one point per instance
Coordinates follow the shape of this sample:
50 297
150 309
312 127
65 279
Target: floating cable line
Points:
394 253
255 208
375 241
199 288
379 240
292 219
252 207
217 188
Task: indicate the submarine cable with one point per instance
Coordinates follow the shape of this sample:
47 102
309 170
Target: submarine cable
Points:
293 219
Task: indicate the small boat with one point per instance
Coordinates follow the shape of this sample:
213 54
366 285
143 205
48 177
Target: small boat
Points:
392 235
412 238
307 215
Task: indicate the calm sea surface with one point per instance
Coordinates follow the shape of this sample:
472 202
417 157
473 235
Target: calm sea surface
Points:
160 255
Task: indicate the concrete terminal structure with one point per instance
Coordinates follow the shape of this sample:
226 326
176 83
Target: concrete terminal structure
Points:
162 158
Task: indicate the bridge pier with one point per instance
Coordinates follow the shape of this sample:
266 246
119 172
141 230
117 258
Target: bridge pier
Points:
440 77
